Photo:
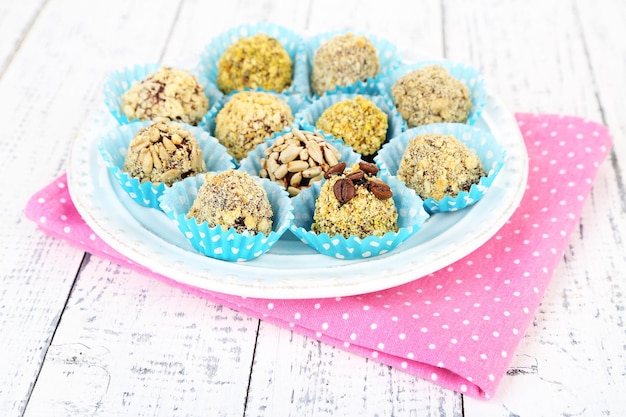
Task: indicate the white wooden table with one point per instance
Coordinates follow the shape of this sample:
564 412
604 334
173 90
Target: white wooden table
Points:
82 336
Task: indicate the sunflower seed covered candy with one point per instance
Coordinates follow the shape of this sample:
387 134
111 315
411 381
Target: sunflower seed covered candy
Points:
298 158
163 153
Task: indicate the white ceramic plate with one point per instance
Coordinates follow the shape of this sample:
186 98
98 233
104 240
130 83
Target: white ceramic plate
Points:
291 269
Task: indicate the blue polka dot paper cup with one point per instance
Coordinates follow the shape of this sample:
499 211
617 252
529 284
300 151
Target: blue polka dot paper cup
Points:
411 218
480 141
119 82
113 147
252 163
290 40
468 75
215 242
308 115
389 58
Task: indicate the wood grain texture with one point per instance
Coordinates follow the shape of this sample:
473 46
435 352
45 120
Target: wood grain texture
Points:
294 375
572 345
132 345
92 338
15 22
53 79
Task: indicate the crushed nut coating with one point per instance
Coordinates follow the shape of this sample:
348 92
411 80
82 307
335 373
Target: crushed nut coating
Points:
348 206
431 95
258 61
169 94
358 122
233 198
342 61
248 118
436 165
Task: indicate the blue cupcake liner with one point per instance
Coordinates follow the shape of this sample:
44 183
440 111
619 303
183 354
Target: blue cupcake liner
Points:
307 116
114 145
208 122
251 164
411 218
290 40
389 58
480 141
468 75
227 245
119 82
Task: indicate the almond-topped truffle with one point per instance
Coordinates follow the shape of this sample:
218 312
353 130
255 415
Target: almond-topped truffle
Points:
437 165
258 61
233 198
343 60
431 95
163 153
168 94
358 122
354 202
248 118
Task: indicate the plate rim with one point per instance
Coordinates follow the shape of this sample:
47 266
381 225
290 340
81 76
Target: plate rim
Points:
311 282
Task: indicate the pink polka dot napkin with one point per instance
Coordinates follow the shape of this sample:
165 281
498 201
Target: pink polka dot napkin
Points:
457 327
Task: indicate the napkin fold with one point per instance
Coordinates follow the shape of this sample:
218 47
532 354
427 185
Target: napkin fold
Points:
457 327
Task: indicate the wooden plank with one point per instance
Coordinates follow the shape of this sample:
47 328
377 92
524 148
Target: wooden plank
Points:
415 27
302 376
132 345
16 19
36 275
52 81
529 52
604 44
